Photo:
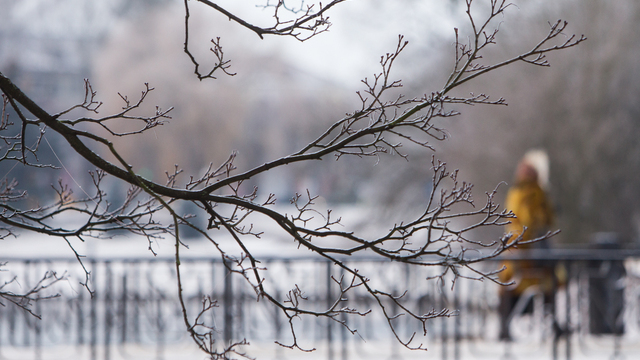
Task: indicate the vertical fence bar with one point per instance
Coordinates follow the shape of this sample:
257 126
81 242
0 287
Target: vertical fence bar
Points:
228 305
329 321
569 266
482 322
136 302
443 320
160 326
555 325
38 332
93 312
123 308
37 323
214 294
27 317
80 313
12 326
3 311
456 325
108 319
343 330
472 310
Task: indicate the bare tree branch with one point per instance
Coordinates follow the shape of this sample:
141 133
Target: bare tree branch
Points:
436 237
25 300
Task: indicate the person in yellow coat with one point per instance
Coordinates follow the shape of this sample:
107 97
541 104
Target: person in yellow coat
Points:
534 216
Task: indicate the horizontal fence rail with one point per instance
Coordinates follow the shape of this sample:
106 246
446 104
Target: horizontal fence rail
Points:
595 309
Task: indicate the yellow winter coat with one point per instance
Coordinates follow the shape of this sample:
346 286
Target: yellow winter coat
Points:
529 203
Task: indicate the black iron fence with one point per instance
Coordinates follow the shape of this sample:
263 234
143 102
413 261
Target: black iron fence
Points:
134 312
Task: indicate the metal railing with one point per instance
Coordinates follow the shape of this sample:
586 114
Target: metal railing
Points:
135 307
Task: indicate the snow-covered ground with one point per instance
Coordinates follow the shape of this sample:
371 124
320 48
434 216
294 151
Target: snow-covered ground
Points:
596 349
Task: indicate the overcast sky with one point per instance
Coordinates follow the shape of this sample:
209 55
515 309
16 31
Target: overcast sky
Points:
362 31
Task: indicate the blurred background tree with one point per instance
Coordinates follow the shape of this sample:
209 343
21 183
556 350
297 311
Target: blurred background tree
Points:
582 111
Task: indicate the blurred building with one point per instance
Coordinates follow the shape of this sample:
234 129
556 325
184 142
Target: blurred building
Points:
47 49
